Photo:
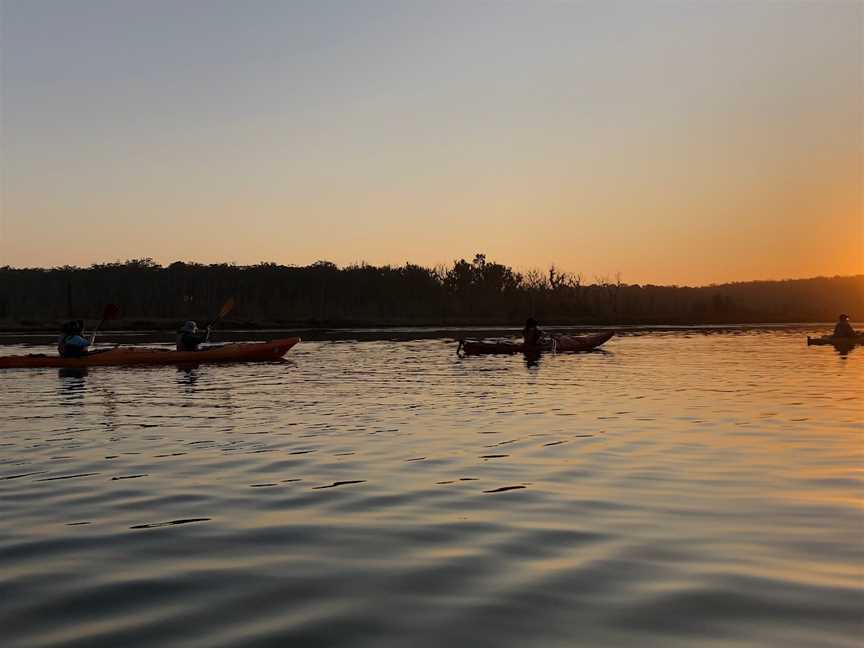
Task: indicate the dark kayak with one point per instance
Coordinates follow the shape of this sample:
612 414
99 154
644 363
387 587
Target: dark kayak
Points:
836 341
560 343
239 352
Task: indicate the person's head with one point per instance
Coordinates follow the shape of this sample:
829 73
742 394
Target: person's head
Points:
844 317
189 327
530 323
73 326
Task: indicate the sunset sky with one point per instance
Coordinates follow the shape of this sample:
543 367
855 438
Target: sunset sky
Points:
673 142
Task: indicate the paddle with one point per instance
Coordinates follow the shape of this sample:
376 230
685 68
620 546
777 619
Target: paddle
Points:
110 312
227 307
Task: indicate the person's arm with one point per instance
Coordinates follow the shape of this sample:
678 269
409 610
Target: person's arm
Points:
78 341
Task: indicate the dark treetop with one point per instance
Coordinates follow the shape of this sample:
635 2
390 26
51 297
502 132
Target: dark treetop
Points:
476 292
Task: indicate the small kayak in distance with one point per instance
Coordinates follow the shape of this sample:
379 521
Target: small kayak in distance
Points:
560 343
237 352
836 341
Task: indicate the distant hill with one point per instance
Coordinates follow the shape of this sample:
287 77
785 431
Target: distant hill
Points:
475 292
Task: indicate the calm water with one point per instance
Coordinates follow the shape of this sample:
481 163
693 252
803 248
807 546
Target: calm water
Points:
675 489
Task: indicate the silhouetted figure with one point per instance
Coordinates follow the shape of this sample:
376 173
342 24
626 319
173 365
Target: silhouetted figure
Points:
189 338
531 334
844 329
72 344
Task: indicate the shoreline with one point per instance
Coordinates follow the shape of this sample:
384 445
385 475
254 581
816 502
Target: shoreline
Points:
399 333
239 324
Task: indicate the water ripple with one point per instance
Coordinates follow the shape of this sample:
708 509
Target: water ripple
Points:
675 490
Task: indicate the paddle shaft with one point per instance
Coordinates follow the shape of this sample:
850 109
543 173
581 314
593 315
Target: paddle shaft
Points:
109 312
227 307
93 334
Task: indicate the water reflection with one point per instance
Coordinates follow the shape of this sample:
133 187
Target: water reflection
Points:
110 416
73 385
188 376
532 360
73 373
651 494
843 350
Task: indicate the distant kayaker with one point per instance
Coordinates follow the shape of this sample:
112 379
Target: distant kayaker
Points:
844 329
71 343
189 338
531 334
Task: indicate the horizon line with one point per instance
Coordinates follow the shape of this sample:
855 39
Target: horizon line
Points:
596 279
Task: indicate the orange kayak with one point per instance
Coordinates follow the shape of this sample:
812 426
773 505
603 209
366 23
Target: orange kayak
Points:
560 343
238 352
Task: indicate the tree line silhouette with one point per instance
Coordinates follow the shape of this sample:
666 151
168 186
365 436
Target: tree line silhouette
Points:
476 292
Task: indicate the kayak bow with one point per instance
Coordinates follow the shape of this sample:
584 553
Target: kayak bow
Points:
237 352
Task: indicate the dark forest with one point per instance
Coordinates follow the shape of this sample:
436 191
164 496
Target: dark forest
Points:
476 292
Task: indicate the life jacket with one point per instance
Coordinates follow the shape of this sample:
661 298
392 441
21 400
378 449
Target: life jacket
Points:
531 336
844 329
188 341
67 350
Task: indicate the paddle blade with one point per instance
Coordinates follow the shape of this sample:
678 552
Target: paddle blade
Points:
111 311
227 307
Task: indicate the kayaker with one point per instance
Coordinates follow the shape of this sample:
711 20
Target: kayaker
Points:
844 329
71 343
531 334
189 338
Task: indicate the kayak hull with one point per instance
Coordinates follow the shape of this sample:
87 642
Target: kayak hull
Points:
581 342
238 352
836 341
563 343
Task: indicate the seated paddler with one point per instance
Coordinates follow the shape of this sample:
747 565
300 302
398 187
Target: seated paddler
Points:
531 334
189 338
843 329
72 343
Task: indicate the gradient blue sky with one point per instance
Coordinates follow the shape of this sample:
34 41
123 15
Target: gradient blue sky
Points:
674 142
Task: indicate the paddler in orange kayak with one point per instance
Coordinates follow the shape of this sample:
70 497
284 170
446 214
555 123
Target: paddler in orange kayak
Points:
71 343
189 338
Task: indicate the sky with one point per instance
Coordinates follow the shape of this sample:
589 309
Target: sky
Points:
671 142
